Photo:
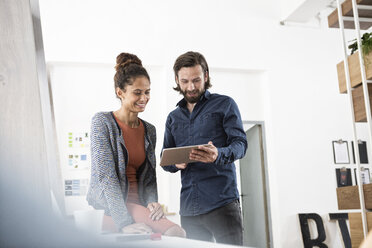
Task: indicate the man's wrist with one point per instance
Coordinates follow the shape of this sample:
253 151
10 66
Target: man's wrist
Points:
219 155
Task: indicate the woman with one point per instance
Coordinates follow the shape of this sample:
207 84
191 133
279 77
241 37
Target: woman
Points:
123 179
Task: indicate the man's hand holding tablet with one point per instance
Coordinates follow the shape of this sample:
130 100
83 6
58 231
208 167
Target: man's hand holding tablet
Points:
181 156
205 154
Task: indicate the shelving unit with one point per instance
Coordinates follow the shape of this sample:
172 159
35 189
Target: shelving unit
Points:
364 14
354 71
357 15
358 102
348 197
355 223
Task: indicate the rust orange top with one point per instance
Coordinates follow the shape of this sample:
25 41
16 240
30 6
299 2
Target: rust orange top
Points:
134 139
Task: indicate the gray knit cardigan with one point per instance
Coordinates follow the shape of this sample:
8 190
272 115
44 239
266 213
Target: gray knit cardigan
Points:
108 187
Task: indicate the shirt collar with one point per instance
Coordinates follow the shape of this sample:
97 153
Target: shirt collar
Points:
206 95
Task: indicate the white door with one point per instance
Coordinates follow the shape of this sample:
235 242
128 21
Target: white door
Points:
254 192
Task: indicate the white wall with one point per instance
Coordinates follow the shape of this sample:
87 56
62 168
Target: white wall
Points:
298 95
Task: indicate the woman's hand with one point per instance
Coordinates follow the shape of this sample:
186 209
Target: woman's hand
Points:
137 228
156 211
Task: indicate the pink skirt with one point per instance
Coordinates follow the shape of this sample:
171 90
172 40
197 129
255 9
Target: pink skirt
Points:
140 214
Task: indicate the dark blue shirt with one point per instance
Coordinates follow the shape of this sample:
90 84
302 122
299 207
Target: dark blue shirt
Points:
214 118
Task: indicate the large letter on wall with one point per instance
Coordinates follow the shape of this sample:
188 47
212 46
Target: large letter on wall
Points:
305 230
341 219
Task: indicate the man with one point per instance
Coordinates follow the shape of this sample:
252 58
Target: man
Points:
210 208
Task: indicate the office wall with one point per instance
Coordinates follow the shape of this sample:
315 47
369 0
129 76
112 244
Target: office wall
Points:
301 107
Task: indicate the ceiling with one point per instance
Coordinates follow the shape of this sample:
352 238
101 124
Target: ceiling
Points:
301 11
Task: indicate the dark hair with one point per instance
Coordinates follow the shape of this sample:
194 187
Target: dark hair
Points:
191 59
128 68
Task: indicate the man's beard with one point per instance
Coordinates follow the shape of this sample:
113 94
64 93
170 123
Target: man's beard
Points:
193 99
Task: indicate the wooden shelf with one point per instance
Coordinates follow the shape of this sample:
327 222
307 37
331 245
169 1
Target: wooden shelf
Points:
348 197
347 10
358 103
356 228
354 71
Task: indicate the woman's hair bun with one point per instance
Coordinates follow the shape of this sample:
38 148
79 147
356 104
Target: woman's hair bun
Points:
125 59
128 69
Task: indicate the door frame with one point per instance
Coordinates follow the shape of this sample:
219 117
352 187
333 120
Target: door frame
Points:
265 177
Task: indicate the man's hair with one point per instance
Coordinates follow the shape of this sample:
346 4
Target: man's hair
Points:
191 59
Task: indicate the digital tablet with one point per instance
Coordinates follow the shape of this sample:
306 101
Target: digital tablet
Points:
178 155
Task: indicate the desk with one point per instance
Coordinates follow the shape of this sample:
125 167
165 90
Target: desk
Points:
165 241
